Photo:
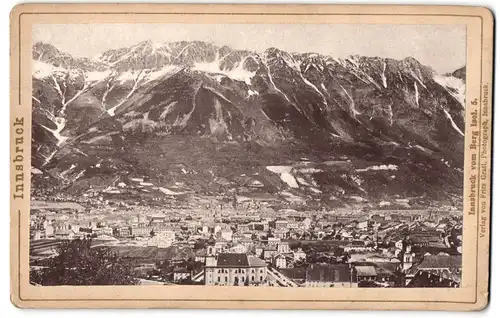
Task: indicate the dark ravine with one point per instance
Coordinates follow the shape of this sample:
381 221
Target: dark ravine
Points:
210 119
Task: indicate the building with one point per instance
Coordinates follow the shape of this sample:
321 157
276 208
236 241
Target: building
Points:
239 248
232 269
423 279
247 242
162 239
259 249
227 235
181 274
279 261
444 266
399 244
299 254
64 235
141 231
356 246
124 231
243 228
363 225
408 258
283 247
273 241
387 273
269 252
281 225
103 231
306 223
217 229
220 246
37 235
49 231
365 273
330 275
423 239
293 226
200 255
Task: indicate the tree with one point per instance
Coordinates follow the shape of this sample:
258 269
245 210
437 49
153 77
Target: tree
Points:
199 244
77 263
339 251
346 257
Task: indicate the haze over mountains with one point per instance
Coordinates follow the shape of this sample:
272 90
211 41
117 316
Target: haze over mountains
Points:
195 118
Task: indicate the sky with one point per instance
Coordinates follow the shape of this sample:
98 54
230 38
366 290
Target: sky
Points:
442 47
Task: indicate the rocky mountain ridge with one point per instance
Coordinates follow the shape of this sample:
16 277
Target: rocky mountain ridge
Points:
355 129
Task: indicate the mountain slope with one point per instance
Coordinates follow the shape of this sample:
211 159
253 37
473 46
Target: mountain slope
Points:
341 130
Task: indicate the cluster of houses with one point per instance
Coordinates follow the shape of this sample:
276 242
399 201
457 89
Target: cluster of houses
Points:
384 248
225 266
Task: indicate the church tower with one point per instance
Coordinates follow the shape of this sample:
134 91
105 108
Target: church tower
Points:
407 257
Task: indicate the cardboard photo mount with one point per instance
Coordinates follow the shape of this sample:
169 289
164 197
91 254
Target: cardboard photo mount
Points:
472 295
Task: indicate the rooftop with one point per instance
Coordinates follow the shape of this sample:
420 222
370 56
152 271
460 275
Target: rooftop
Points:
356 244
441 261
232 260
255 261
364 271
427 279
328 273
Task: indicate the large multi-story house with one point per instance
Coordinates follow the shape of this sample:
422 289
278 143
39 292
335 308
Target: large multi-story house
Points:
124 231
279 261
269 252
162 239
444 266
283 247
365 273
330 275
230 269
143 231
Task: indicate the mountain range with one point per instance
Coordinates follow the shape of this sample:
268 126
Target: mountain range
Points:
192 119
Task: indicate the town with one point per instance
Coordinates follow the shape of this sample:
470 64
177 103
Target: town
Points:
250 244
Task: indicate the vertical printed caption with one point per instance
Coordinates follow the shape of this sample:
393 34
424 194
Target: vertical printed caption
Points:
480 158
18 158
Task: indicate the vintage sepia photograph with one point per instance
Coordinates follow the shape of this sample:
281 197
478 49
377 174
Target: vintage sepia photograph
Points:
284 155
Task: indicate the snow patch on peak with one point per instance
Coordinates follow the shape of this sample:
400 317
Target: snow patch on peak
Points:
97 76
42 70
238 73
167 69
157 46
455 86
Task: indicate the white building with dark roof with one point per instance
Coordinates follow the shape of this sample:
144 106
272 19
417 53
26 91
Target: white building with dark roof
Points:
235 269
